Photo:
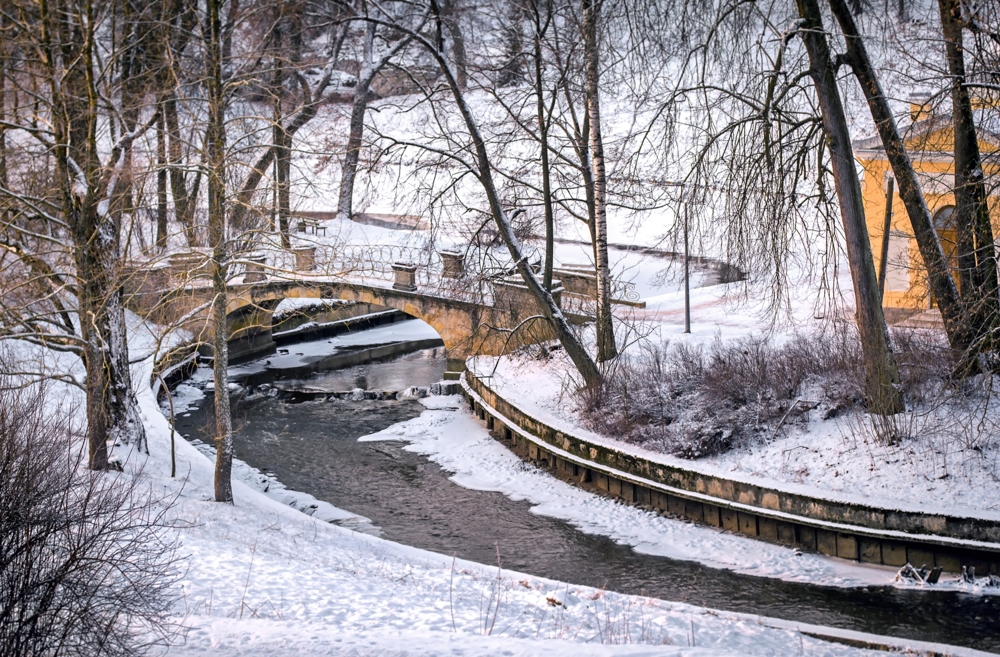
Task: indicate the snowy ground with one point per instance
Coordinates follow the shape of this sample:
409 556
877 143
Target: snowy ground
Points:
263 578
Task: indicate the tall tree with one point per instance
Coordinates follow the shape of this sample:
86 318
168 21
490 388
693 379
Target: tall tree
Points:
215 145
606 347
881 375
942 285
66 46
976 248
481 166
541 18
371 64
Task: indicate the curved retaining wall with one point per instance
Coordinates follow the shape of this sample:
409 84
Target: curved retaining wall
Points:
851 531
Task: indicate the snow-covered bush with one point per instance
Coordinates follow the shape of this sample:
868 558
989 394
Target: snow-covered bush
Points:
696 401
86 563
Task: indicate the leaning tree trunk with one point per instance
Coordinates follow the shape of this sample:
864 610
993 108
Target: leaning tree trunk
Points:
606 347
484 172
939 275
881 376
977 254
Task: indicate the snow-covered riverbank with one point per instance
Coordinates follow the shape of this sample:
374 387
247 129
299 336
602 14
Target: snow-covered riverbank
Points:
265 578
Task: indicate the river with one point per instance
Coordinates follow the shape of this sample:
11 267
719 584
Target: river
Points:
313 447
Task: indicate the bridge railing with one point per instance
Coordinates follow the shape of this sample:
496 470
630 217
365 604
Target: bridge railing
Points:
471 275
369 262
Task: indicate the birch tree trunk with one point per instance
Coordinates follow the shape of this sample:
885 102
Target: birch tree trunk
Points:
939 275
881 375
606 348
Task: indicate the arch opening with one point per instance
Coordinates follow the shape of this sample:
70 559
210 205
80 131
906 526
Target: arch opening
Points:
334 342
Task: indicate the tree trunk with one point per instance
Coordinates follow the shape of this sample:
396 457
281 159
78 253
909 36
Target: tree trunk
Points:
215 142
161 183
280 141
939 275
543 135
284 165
977 255
606 348
511 70
183 206
112 412
450 16
881 375
349 171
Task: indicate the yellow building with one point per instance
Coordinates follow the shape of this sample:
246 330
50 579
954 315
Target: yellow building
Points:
930 143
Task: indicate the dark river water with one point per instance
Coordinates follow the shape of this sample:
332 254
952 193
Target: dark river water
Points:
313 447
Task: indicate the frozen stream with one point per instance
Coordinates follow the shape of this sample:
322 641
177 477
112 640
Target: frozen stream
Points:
313 447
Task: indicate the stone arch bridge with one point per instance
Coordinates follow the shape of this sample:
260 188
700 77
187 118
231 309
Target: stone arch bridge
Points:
469 323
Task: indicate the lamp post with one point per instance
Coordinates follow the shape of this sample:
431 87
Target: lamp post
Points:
687 269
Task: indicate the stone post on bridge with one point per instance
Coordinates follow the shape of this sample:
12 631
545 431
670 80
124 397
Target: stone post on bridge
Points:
255 270
305 258
453 264
405 276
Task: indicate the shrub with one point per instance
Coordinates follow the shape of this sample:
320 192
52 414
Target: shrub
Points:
86 565
696 401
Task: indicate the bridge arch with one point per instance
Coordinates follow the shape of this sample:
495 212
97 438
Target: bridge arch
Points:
464 327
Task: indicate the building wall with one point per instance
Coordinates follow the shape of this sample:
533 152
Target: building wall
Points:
906 278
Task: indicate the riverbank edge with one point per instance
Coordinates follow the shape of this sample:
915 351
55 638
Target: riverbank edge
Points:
856 532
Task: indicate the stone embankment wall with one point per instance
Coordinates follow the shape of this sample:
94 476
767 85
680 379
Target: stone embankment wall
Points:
850 531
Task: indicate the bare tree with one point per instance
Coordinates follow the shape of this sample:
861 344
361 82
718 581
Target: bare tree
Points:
976 248
881 373
773 136
371 64
942 284
474 158
87 565
71 91
606 348
215 146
